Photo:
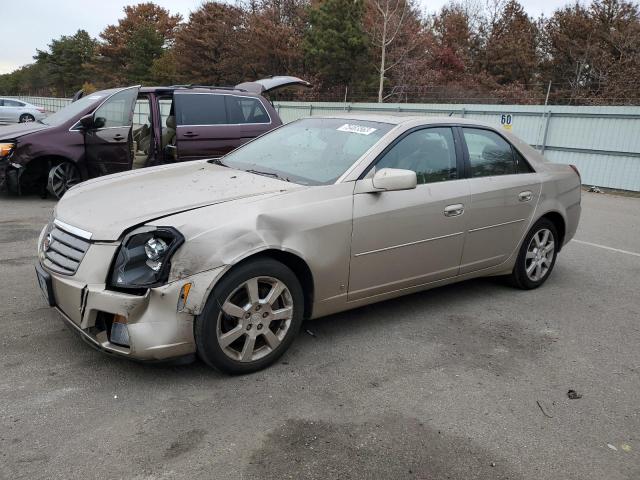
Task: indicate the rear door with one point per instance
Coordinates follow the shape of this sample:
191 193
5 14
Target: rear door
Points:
108 146
504 192
202 127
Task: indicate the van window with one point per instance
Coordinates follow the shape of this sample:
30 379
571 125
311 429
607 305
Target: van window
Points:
200 109
117 111
246 110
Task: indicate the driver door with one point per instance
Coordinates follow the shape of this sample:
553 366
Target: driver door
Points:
109 143
407 238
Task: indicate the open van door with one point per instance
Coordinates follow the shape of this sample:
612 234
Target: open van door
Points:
107 133
267 85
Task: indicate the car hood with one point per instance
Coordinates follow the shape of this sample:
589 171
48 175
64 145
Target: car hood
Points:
8 132
107 206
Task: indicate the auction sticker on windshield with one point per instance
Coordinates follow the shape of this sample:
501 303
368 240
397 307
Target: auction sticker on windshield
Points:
361 129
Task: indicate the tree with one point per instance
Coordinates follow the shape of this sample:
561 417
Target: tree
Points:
67 61
592 52
335 47
208 49
275 33
512 46
395 30
128 50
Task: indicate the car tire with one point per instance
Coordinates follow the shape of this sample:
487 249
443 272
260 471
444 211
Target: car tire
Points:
62 177
26 117
250 318
537 256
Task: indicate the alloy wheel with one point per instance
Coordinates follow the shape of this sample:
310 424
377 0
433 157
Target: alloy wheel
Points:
254 319
539 257
62 177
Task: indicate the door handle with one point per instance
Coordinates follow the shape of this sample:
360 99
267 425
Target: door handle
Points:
524 196
454 210
118 137
189 134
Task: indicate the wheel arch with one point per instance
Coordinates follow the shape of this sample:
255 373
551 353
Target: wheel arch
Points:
559 222
38 168
297 265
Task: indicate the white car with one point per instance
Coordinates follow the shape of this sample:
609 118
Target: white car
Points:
13 110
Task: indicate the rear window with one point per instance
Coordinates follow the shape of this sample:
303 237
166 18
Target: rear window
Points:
246 110
200 109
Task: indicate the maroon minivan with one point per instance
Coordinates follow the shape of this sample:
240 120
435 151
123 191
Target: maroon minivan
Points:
119 129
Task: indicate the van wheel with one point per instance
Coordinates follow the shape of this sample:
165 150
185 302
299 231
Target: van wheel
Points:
251 317
537 256
62 177
27 117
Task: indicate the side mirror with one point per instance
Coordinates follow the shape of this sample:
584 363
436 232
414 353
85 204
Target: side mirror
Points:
87 122
391 179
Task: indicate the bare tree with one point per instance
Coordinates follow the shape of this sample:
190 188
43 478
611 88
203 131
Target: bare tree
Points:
386 21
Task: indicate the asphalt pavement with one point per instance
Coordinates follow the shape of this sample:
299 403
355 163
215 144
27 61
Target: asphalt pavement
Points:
467 381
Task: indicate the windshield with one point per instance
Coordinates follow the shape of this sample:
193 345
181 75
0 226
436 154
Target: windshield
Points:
73 109
312 151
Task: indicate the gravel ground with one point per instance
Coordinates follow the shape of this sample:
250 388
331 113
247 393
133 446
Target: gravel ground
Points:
463 382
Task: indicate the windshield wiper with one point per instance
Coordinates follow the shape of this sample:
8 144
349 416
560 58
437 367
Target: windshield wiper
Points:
268 174
217 161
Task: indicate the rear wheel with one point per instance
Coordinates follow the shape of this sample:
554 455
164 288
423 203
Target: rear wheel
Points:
251 317
537 256
27 117
62 177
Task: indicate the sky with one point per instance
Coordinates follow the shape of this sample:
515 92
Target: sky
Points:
35 22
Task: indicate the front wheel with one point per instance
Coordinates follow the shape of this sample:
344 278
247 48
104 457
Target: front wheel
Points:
251 317
537 256
62 177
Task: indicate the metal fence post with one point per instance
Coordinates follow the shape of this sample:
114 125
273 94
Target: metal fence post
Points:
546 131
311 109
462 112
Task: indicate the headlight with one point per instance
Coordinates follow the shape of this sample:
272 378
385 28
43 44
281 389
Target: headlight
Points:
143 259
6 148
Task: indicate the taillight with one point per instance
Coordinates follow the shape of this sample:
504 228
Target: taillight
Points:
575 169
42 110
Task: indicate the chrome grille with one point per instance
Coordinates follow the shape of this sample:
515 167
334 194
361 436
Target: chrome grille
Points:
63 252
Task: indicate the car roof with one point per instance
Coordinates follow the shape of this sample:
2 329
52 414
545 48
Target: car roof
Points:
197 89
405 119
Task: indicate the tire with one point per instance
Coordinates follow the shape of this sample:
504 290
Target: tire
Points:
62 177
537 256
26 117
233 317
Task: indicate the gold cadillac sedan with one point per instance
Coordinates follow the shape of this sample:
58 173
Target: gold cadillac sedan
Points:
225 258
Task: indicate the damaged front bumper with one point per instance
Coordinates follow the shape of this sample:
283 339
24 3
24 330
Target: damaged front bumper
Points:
10 176
155 324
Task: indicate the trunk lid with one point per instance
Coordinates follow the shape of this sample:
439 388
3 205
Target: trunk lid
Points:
266 85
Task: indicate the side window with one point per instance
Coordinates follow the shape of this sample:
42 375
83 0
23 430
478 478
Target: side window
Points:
429 152
489 153
200 109
246 110
13 103
522 166
117 111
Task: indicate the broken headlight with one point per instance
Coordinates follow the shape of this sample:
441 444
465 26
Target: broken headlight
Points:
143 259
